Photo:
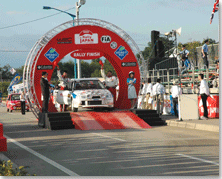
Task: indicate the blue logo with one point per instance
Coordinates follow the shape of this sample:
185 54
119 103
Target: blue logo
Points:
121 52
51 54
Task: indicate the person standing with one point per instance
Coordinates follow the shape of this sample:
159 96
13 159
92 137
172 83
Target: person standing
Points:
176 92
149 95
111 81
131 81
158 93
22 100
205 53
63 85
143 93
204 93
184 52
0 96
45 86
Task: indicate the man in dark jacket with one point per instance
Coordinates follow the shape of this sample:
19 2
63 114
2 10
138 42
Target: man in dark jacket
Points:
45 85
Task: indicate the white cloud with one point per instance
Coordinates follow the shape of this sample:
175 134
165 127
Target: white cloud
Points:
15 12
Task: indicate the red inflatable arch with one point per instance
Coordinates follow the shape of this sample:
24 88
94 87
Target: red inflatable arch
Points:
89 39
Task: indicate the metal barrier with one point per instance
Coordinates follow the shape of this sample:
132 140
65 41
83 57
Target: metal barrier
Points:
189 79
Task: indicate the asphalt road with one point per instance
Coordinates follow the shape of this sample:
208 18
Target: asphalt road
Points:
160 151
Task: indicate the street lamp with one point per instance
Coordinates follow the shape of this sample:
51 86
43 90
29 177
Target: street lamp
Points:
78 5
73 17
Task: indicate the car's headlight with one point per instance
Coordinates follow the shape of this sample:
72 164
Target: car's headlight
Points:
109 96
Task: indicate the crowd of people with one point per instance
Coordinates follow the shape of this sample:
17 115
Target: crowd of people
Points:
155 94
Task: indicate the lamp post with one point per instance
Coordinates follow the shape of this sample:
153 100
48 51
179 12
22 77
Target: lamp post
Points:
78 5
73 17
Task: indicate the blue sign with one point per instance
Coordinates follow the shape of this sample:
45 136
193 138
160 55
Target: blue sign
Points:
51 55
121 52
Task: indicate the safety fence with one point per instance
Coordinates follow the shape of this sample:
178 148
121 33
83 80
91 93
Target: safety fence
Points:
188 81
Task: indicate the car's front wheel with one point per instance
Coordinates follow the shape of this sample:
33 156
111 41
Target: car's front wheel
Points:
7 109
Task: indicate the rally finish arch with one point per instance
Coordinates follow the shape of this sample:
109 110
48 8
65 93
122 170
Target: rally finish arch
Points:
89 37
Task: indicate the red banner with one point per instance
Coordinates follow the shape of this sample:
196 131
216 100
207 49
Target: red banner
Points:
86 54
212 106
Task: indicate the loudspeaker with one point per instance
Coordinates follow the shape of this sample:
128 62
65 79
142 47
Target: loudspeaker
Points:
154 41
160 49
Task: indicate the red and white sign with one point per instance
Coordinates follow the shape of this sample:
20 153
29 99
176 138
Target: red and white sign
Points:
86 54
212 106
86 37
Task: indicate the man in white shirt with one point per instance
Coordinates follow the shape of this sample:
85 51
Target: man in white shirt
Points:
204 93
143 92
176 92
149 94
110 81
158 92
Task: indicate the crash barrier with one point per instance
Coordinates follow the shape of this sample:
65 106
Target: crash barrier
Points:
212 106
188 107
107 120
3 141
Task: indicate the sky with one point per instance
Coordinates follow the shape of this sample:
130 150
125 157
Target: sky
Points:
137 17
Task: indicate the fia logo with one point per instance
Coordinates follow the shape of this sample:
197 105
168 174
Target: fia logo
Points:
105 39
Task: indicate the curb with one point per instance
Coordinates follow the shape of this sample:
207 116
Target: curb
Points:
3 157
196 126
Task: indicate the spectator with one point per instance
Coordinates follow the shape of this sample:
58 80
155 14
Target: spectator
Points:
204 93
158 92
45 86
186 65
185 52
176 92
149 94
0 96
205 53
143 93
131 81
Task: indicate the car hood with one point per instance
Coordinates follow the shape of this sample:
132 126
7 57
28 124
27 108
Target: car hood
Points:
92 92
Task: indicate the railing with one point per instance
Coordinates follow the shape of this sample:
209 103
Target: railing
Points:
188 80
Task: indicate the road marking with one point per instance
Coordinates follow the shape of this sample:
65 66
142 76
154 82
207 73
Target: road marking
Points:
60 167
195 158
109 137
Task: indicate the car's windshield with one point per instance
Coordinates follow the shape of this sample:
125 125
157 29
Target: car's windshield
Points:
88 84
15 97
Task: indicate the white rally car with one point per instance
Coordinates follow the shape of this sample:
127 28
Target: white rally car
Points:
85 93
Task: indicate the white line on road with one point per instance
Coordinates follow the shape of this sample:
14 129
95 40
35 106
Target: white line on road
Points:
60 167
109 137
195 158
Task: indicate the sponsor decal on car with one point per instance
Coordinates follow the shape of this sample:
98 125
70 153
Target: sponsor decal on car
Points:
51 54
86 37
121 52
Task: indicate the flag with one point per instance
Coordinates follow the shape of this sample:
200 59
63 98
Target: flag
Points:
12 70
215 9
17 78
